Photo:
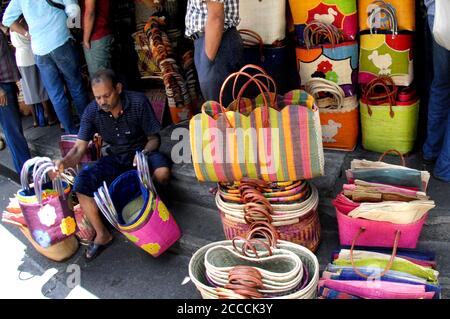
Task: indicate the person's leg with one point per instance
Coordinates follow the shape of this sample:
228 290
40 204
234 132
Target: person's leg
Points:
68 63
442 167
99 56
438 105
86 183
159 166
213 73
54 85
12 127
49 113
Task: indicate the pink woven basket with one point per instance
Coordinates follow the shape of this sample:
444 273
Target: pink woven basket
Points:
377 234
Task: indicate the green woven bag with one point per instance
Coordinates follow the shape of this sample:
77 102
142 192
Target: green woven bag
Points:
388 125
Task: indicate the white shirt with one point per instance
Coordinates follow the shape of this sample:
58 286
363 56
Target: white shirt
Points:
24 53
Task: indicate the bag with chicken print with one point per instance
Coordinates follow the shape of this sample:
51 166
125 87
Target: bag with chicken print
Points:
340 13
386 54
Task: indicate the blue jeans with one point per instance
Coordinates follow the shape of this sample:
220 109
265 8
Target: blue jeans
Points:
12 127
437 144
211 74
63 64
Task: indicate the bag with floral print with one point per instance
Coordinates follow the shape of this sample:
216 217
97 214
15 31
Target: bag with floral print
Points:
133 207
44 205
326 55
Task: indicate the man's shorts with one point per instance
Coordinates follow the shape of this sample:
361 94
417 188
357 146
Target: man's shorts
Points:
108 168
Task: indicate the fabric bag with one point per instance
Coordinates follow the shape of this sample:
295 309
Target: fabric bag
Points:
133 207
272 138
265 17
339 115
44 206
441 24
326 56
388 121
386 54
340 13
387 14
272 58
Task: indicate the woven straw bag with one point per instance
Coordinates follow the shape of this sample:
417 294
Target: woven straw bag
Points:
309 279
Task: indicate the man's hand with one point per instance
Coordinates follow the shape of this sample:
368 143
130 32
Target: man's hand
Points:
87 44
214 28
3 98
59 168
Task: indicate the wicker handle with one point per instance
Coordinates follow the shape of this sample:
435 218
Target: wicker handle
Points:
38 179
384 82
247 67
318 85
263 89
106 206
255 40
245 281
273 101
317 32
380 7
396 152
391 260
144 172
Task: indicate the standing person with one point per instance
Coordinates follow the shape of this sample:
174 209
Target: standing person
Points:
437 145
54 50
10 120
97 35
218 45
33 89
126 122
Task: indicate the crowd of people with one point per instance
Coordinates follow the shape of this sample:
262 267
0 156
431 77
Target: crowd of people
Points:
48 63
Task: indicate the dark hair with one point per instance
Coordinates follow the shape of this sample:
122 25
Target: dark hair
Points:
104 75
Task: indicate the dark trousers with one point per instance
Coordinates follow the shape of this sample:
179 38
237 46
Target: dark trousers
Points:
212 74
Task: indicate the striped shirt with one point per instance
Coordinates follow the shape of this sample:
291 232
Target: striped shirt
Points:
8 68
126 134
197 13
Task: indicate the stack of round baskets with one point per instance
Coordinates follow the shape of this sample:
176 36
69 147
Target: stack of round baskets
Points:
294 215
201 264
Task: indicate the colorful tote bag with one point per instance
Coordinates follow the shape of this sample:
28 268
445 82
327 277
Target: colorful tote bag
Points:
133 207
44 206
389 121
267 18
335 61
271 138
399 15
340 13
386 55
339 115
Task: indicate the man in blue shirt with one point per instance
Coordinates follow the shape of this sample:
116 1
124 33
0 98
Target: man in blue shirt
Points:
126 122
437 146
54 50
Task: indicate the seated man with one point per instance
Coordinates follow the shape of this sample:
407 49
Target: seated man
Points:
127 123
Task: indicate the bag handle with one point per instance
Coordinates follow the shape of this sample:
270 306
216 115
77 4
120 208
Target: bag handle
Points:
106 206
317 32
318 85
38 179
251 67
144 172
25 171
380 7
273 100
393 151
385 82
253 40
244 281
391 260
263 89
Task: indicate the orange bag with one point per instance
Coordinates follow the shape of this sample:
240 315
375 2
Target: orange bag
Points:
339 115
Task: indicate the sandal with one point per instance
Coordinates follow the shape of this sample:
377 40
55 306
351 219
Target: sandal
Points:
93 250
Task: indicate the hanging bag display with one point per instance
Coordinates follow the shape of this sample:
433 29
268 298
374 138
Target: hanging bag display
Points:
273 59
327 56
386 54
265 17
44 206
133 207
389 119
272 138
339 13
387 14
339 115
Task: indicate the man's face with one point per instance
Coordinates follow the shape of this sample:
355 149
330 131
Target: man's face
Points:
106 95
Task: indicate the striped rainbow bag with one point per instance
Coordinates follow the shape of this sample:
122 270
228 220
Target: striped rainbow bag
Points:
272 138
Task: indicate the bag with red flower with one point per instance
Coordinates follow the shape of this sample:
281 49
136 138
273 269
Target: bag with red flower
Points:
327 56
